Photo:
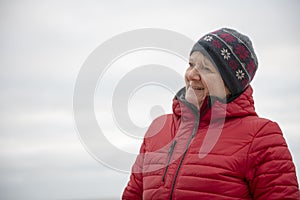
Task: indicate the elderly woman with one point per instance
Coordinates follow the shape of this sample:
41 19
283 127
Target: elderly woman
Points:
214 145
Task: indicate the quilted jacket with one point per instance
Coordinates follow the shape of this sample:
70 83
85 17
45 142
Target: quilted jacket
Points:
223 151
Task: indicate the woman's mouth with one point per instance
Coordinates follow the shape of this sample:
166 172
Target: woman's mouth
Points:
197 88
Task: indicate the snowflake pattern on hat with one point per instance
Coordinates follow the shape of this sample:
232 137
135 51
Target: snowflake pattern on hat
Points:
208 38
240 74
225 53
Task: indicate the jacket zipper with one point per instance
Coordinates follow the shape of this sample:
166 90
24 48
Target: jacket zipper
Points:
184 154
170 153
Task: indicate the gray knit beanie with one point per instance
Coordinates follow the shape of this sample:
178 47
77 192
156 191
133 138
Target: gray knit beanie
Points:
233 55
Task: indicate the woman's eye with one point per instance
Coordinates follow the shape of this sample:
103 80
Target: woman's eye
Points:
206 68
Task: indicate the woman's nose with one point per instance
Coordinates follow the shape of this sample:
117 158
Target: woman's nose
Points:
193 74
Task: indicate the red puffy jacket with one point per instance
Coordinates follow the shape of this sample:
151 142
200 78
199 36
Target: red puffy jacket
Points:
223 151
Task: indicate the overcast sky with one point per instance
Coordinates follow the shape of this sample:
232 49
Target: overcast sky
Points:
44 45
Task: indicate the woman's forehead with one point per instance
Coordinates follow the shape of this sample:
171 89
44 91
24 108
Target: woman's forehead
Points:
197 56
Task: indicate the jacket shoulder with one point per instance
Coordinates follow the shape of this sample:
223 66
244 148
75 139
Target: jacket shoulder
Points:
259 127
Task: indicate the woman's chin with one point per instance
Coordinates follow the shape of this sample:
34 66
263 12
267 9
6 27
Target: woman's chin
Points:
192 101
195 97
191 98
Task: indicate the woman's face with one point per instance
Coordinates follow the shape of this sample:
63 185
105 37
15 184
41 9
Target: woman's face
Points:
203 79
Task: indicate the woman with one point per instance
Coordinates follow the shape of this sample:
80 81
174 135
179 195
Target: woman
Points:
214 146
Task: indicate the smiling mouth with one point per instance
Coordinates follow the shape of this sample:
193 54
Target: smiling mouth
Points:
197 88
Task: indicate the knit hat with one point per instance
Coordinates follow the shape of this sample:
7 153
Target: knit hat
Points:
233 55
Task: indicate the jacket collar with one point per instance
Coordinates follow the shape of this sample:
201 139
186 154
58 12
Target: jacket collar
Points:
214 109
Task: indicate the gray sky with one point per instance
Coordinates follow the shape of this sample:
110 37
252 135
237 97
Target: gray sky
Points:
44 45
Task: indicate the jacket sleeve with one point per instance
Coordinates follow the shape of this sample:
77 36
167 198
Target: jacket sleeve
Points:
134 188
270 169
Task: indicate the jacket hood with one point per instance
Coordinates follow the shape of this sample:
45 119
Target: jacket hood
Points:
214 109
